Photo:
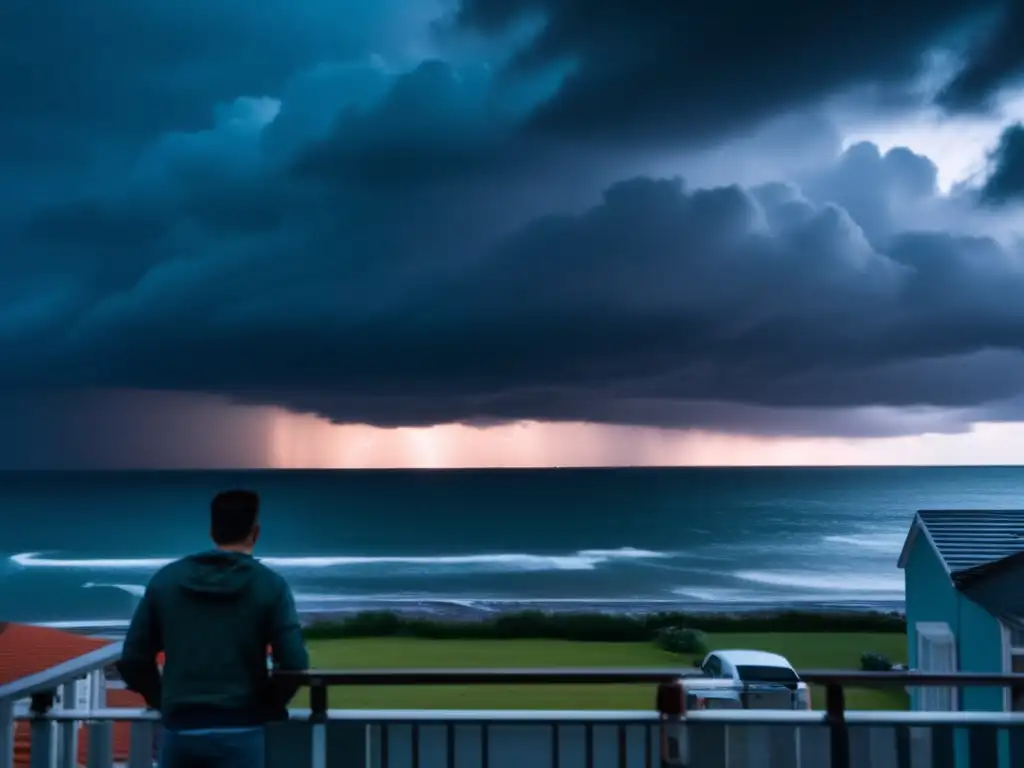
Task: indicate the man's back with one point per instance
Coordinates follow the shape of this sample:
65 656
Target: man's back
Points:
219 612
214 615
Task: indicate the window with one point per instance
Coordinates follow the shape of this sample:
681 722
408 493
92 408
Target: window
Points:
1015 695
713 667
1017 639
751 674
936 653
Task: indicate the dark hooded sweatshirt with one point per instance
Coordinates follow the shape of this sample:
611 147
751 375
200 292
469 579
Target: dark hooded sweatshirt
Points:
214 615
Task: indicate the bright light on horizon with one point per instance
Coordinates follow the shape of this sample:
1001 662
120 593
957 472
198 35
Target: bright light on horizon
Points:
310 442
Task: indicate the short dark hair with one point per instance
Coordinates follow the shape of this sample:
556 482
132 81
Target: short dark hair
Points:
233 515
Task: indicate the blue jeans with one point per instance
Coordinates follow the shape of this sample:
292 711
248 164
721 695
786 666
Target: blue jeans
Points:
221 748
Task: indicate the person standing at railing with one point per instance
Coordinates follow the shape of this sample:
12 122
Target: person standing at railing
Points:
213 615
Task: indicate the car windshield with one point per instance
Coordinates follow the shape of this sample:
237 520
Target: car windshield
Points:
759 674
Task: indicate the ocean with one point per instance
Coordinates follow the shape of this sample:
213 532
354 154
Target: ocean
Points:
76 549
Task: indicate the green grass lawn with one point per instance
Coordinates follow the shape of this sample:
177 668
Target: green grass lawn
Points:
805 651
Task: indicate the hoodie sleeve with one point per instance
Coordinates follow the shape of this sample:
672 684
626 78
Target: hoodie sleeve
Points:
143 642
287 645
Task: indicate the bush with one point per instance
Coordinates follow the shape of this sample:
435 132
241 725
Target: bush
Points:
598 627
680 641
875 662
366 624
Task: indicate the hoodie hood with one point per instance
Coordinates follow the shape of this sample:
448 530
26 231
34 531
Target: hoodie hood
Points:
218 573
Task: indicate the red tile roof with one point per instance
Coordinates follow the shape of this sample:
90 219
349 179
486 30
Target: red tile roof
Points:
27 650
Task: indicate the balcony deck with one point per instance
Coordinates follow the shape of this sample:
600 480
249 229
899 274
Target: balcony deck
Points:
662 737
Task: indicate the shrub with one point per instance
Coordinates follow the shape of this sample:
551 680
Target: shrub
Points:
598 627
365 624
682 641
875 662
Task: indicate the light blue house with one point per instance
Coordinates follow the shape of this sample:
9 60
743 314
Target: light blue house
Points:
965 601
964 573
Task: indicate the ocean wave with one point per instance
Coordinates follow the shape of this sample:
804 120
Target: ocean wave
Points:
86 624
582 560
302 598
135 590
484 604
723 595
889 543
825 581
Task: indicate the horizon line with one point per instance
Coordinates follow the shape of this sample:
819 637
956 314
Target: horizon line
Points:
539 468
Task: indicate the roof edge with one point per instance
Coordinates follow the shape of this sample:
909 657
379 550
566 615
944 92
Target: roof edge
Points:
915 526
918 528
979 574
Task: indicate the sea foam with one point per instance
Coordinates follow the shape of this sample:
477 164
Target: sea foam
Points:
582 560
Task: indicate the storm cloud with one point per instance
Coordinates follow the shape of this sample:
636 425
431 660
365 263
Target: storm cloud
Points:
453 239
1006 181
680 70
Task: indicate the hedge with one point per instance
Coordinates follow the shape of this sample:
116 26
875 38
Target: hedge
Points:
681 641
600 627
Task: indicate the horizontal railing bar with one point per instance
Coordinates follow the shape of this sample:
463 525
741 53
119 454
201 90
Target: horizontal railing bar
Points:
370 716
568 675
954 679
384 677
606 717
854 717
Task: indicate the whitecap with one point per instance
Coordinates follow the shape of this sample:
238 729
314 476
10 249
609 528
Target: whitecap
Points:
583 560
824 581
135 590
889 543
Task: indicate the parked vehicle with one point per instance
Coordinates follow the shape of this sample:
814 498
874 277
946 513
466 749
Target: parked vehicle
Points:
739 679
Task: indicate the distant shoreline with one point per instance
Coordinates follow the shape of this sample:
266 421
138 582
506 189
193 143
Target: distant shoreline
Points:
482 610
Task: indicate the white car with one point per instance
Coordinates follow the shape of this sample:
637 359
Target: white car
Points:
746 680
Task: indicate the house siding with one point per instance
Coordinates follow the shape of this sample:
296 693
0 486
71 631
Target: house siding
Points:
931 596
980 649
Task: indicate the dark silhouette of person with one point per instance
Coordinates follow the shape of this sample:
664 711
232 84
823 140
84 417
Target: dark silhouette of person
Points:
213 615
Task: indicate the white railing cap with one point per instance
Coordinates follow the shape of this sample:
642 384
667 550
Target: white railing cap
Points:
614 717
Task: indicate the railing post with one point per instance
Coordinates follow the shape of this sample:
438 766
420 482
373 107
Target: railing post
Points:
839 732
140 747
101 744
671 706
67 741
41 752
318 721
6 733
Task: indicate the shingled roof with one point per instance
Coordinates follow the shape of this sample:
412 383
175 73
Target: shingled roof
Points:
26 650
966 538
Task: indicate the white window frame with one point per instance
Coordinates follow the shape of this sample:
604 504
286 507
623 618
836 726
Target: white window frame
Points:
932 698
1013 647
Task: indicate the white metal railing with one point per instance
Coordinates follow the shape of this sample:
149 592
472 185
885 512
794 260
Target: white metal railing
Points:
667 735
512 739
69 671
15 699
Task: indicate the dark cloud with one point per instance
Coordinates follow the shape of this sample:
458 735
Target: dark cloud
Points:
83 83
99 430
298 224
227 263
1006 181
676 70
995 60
